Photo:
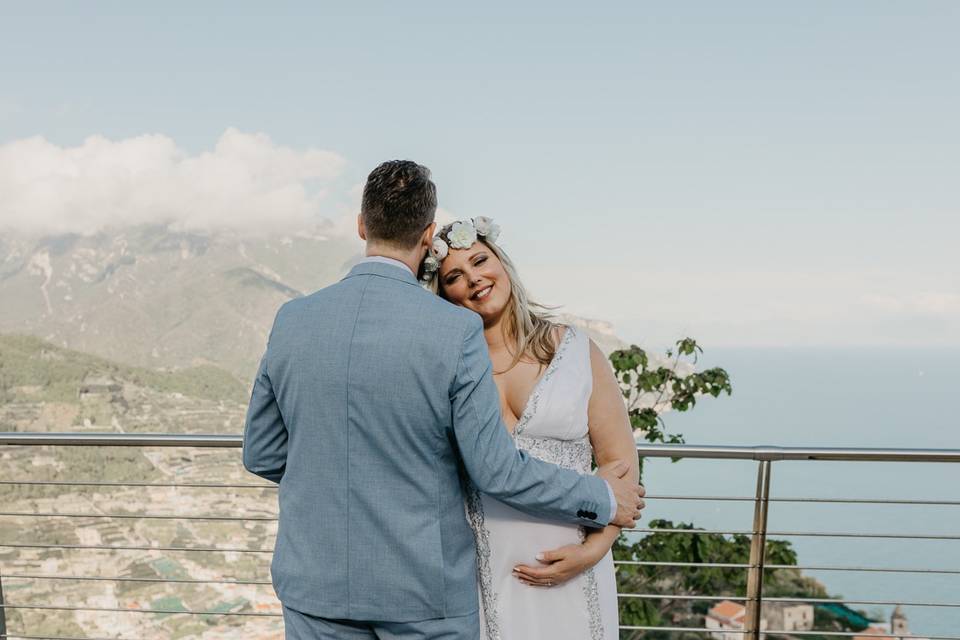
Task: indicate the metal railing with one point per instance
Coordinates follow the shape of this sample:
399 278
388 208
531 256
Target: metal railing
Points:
758 533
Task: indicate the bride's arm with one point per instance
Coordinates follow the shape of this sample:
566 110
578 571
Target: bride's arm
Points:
612 439
610 433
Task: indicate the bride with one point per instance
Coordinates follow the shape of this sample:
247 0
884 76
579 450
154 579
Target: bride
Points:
561 403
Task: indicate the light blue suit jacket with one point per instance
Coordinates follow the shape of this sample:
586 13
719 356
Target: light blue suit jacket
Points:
374 398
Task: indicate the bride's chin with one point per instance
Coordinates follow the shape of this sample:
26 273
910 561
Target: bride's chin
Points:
490 315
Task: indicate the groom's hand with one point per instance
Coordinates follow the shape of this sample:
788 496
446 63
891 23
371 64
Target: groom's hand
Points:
629 494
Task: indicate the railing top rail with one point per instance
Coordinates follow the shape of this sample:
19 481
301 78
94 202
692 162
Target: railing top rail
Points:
123 439
712 452
774 453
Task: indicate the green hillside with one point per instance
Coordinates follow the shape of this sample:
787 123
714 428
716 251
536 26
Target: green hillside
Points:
46 372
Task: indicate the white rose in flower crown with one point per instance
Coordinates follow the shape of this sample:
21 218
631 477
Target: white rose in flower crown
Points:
485 227
462 235
431 264
439 249
482 224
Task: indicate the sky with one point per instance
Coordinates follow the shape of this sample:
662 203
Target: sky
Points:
751 174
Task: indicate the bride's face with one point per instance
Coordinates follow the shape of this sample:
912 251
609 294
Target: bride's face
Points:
475 278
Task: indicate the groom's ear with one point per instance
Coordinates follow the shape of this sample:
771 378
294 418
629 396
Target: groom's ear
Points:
427 238
361 229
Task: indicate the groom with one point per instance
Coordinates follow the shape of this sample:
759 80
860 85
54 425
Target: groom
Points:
373 399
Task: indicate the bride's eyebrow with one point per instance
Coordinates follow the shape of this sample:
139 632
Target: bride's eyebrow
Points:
452 271
458 269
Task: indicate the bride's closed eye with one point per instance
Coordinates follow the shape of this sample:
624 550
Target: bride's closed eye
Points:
450 279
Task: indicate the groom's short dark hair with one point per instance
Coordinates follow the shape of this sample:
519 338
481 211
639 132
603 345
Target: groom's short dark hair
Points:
399 202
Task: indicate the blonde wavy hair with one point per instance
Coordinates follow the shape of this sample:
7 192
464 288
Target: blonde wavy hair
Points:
528 323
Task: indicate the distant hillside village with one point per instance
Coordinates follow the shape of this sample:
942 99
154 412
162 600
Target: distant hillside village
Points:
727 621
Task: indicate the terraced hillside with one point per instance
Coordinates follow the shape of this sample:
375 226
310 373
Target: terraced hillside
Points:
47 388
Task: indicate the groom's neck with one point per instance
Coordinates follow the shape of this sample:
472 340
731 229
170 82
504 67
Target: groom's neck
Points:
411 258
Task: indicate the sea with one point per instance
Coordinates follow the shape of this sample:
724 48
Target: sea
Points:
827 397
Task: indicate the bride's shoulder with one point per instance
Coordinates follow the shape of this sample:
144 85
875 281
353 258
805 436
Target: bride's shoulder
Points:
567 332
560 333
557 331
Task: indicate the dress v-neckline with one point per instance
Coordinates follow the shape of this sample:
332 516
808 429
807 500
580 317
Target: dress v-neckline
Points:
530 407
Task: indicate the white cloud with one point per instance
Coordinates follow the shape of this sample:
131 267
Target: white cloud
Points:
756 308
247 182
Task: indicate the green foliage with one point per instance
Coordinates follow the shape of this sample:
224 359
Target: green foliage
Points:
649 391
26 361
676 547
204 381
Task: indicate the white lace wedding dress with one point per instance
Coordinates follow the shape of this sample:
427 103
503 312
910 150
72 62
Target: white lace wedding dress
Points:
553 427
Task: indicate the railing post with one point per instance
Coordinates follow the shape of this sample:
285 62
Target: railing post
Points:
3 612
758 544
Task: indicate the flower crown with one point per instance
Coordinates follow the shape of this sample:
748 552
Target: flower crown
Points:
461 234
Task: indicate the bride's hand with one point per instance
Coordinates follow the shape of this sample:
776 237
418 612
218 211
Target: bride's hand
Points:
559 565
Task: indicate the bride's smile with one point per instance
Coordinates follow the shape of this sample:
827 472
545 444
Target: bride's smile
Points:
476 279
483 293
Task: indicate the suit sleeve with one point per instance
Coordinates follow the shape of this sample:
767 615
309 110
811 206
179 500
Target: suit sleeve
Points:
264 434
493 462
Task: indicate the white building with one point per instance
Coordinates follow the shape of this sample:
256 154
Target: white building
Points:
788 616
728 617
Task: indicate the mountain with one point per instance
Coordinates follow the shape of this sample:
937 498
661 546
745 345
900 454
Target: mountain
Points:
155 297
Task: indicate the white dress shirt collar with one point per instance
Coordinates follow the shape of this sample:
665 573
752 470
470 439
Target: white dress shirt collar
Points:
386 260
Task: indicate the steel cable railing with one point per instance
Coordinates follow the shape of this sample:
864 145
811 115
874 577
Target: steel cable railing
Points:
787 632
186 612
734 565
121 547
952 503
129 579
17 636
138 516
799 534
756 567
174 485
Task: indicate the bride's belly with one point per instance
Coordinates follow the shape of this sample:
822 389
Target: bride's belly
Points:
517 538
